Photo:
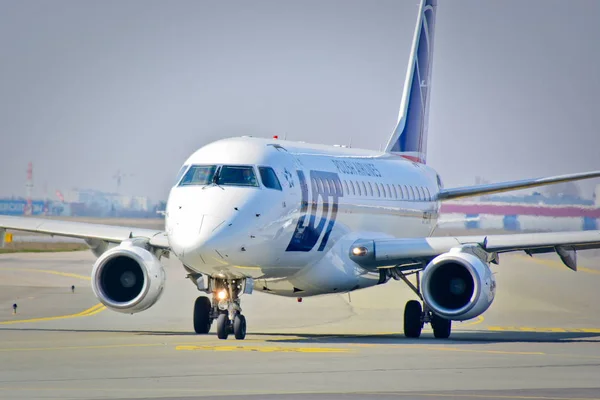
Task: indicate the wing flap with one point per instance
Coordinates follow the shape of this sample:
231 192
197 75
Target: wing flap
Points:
478 190
83 230
388 252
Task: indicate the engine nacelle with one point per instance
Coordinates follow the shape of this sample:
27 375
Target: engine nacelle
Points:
128 278
458 285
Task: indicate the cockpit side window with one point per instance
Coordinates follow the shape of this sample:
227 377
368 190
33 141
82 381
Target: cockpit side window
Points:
237 176
180 173
269 178
199 175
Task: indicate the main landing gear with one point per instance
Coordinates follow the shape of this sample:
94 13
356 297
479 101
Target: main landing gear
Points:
224 308
416 316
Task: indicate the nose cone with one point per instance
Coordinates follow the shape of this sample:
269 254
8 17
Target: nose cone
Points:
204 224
212 231
201 234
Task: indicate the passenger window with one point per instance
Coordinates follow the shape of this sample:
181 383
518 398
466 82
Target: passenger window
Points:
346 187
383 190
353 188
269 178
370 189
376 190
237 176
364 187
395 192
199 175
429 198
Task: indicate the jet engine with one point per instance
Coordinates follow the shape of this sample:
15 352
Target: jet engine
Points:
458 285
128 278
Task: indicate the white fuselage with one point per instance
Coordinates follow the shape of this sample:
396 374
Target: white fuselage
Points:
295 241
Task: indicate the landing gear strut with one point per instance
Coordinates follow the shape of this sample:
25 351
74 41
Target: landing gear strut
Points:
416 316
224 308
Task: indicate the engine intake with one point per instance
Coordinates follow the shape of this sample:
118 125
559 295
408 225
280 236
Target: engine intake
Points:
458 285
128 278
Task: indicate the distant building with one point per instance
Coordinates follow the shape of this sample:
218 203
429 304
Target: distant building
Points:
13 206
89 202
84 203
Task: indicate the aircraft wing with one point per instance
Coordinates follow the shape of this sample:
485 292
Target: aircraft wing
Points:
82 230
381 253
477 190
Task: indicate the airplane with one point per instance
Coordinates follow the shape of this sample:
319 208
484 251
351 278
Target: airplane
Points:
297 220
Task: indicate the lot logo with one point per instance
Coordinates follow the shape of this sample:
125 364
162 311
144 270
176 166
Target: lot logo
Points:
325 190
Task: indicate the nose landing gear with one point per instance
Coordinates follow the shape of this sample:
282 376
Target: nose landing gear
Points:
225 326
224 307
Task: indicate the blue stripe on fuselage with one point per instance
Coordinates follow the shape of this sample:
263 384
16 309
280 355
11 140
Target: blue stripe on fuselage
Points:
325 186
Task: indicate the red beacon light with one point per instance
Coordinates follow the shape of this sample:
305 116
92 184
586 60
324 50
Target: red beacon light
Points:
275 137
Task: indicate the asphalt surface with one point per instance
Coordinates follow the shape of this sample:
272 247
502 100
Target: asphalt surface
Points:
539 340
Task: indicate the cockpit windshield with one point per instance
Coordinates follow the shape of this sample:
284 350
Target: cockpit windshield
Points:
226 175
199 175
237 176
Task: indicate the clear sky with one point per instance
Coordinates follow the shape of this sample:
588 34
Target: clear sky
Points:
89 88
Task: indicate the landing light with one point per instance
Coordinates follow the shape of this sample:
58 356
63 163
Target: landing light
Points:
222 294
360 251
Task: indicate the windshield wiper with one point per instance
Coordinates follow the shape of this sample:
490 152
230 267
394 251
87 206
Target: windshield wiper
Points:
215 180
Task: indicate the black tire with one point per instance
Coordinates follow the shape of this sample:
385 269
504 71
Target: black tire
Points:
412 319
202 321
441 327
239 327
223 326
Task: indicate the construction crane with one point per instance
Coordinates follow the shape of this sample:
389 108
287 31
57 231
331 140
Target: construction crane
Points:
119 177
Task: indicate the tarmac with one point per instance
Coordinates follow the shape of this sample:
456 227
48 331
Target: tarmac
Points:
540 339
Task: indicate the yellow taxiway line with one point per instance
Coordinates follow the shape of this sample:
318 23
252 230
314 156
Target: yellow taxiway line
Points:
558 264
107 346
542 329
86 313
47 271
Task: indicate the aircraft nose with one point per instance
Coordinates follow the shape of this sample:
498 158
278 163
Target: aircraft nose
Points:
192 235
210 229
